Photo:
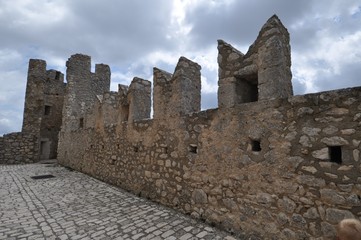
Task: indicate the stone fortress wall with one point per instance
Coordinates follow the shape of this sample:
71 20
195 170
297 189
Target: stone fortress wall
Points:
265 163
38 138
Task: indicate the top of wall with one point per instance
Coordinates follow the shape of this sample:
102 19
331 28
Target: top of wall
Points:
261 74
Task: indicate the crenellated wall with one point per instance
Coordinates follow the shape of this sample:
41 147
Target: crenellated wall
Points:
264 165
208 164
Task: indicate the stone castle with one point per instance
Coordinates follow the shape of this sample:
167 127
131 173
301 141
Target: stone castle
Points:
264 164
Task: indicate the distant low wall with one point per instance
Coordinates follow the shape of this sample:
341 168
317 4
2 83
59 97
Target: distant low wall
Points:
18 148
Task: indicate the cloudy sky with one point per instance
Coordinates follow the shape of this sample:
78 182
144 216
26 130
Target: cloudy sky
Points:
133 36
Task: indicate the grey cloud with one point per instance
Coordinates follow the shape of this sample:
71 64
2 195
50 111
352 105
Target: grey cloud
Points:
240 21
350 77
124 30
113 31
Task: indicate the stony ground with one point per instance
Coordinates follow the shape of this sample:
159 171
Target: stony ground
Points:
72 205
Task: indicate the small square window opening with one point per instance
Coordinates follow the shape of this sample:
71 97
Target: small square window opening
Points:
335 154
193 148
256 146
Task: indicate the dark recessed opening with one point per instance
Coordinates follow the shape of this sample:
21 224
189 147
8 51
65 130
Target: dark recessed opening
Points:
44 147
193 148
335 154
47 110
256 146
81 122
42 176
57 75
125 112
164 150
247 88
136 149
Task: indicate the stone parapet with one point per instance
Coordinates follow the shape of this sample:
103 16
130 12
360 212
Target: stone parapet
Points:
139 99
290 165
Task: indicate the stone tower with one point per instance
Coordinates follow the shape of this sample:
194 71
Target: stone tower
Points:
34 96
263 73
43 107
83 87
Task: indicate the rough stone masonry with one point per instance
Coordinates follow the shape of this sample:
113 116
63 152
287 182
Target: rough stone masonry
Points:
265 163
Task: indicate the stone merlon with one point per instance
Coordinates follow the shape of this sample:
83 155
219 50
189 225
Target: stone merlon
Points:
139 99
263 73
186 88
162 92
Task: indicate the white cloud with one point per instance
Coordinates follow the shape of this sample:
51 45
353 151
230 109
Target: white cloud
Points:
341 51
328 59
208 87
159 57
181 29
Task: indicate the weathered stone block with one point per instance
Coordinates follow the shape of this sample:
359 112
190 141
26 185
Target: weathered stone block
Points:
338 111
286 205
298 221
334 215
321 154
199 196
328 230
331 196
311 181
335 141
